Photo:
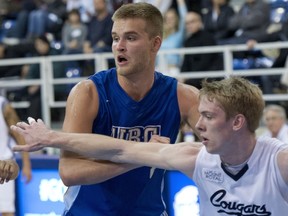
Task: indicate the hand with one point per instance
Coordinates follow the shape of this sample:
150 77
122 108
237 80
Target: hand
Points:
160 139
9 170
35 134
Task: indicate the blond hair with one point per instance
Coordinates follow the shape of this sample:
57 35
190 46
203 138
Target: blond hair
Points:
236 95
149 13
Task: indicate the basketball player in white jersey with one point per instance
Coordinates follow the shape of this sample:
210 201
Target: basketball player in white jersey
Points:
8 139
236 172
9 170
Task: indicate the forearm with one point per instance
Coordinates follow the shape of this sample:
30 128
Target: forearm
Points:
88 145
89 171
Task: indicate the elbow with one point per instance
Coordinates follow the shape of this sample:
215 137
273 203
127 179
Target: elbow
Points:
66 177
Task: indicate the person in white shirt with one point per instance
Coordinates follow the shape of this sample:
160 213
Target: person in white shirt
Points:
275 120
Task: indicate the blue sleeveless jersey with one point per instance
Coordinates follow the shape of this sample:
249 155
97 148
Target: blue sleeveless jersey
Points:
138 192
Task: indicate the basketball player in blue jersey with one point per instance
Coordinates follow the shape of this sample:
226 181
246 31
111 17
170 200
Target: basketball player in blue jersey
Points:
131 102
236 172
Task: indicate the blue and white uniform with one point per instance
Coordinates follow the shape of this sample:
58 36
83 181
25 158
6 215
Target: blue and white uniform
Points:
138 192
258 189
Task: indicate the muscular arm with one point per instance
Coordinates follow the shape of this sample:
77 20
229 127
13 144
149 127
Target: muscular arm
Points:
81 110
181 156
188 103
282 161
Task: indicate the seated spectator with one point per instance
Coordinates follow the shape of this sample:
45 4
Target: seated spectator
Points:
47 18
13 51
279 62
216 19
85 8
275 119
162 5
197 37
173 36
99 29
74 33
18 32
251 21
43 48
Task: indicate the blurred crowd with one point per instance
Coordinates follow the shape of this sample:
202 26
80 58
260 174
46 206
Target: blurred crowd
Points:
54 27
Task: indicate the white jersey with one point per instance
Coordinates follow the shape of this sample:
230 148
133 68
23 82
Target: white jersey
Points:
6 141
258 189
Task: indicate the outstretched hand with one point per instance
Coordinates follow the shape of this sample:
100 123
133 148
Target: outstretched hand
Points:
34 134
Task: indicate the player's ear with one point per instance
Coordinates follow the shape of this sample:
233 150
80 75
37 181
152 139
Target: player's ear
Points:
239 121
157 41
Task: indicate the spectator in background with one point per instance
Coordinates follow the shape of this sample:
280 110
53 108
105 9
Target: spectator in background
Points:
162 5
275 119
99 29
251 21
196 36
13 51
8 117
173 35
74 33
48 17
86 8
279 61
217 17
42 48
18 32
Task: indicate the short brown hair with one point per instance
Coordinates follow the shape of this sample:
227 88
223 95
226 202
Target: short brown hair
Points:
236 95
145 11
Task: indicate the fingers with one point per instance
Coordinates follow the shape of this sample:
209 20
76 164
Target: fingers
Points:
160 139
31 120
7 171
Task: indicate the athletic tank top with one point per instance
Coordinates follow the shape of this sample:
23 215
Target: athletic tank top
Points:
138 192
6 141
260 190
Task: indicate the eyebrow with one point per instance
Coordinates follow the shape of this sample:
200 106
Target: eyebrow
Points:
127 33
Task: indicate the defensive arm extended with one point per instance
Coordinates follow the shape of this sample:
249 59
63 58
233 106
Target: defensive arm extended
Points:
173 157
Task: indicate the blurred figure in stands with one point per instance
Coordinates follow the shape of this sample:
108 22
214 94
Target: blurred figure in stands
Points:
196 36
217 17
251 21
276 122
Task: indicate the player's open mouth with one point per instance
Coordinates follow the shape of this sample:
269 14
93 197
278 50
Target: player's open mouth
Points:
121 59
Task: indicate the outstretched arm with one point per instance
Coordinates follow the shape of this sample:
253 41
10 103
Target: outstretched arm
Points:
282 160
9 170
173 157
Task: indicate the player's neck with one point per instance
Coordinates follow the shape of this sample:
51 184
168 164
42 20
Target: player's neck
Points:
137 89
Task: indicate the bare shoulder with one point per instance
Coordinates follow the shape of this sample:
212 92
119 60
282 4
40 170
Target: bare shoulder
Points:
84 90
187 96
282 161
82 107
188 100
187 90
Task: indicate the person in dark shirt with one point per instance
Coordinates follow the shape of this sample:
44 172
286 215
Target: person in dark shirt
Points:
217 17
99 29
196 36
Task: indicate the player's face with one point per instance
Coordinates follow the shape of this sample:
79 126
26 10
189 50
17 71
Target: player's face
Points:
215 130
132 47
